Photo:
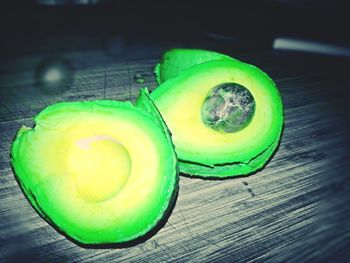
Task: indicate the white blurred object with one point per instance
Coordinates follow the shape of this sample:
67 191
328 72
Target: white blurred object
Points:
285 43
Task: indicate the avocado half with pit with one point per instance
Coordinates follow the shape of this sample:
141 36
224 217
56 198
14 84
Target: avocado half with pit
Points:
100 171
225 116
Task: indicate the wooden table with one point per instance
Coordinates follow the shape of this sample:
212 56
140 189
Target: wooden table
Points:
295 210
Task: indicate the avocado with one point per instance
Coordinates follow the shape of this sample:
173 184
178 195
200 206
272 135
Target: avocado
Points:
100 171
225 116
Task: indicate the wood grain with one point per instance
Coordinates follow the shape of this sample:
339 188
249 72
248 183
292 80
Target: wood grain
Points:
294 210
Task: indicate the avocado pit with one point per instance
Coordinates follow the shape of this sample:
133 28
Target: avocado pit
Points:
228 107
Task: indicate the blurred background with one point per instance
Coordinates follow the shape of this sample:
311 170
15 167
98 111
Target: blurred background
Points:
247 24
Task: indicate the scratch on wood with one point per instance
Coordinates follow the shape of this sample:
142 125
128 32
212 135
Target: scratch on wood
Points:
129 78
163 250
172 226
105 82
185 221
249 189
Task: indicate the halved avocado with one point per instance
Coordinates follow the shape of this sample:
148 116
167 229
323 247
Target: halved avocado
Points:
101 171
225 116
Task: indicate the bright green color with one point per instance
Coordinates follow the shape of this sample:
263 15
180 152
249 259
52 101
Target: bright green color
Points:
186 77
176 61
101 171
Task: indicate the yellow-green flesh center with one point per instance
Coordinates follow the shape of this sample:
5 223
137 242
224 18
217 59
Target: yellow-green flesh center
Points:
100 165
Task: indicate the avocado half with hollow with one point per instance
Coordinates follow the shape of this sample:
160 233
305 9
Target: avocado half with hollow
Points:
101 171
225 116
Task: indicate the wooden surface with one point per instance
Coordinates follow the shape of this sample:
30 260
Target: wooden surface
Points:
295 210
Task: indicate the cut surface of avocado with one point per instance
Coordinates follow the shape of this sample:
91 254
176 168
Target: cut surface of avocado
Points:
100 171
240 136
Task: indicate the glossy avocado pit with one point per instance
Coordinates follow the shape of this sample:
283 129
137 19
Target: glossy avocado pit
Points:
101 171
229 107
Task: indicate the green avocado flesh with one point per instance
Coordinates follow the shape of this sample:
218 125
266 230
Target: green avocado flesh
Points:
100 171
238 140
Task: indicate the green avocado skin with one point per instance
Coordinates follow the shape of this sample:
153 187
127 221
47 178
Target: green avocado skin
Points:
35 183
229 169
175 61
177 66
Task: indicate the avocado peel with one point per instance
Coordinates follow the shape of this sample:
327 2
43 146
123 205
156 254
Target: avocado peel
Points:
176 60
